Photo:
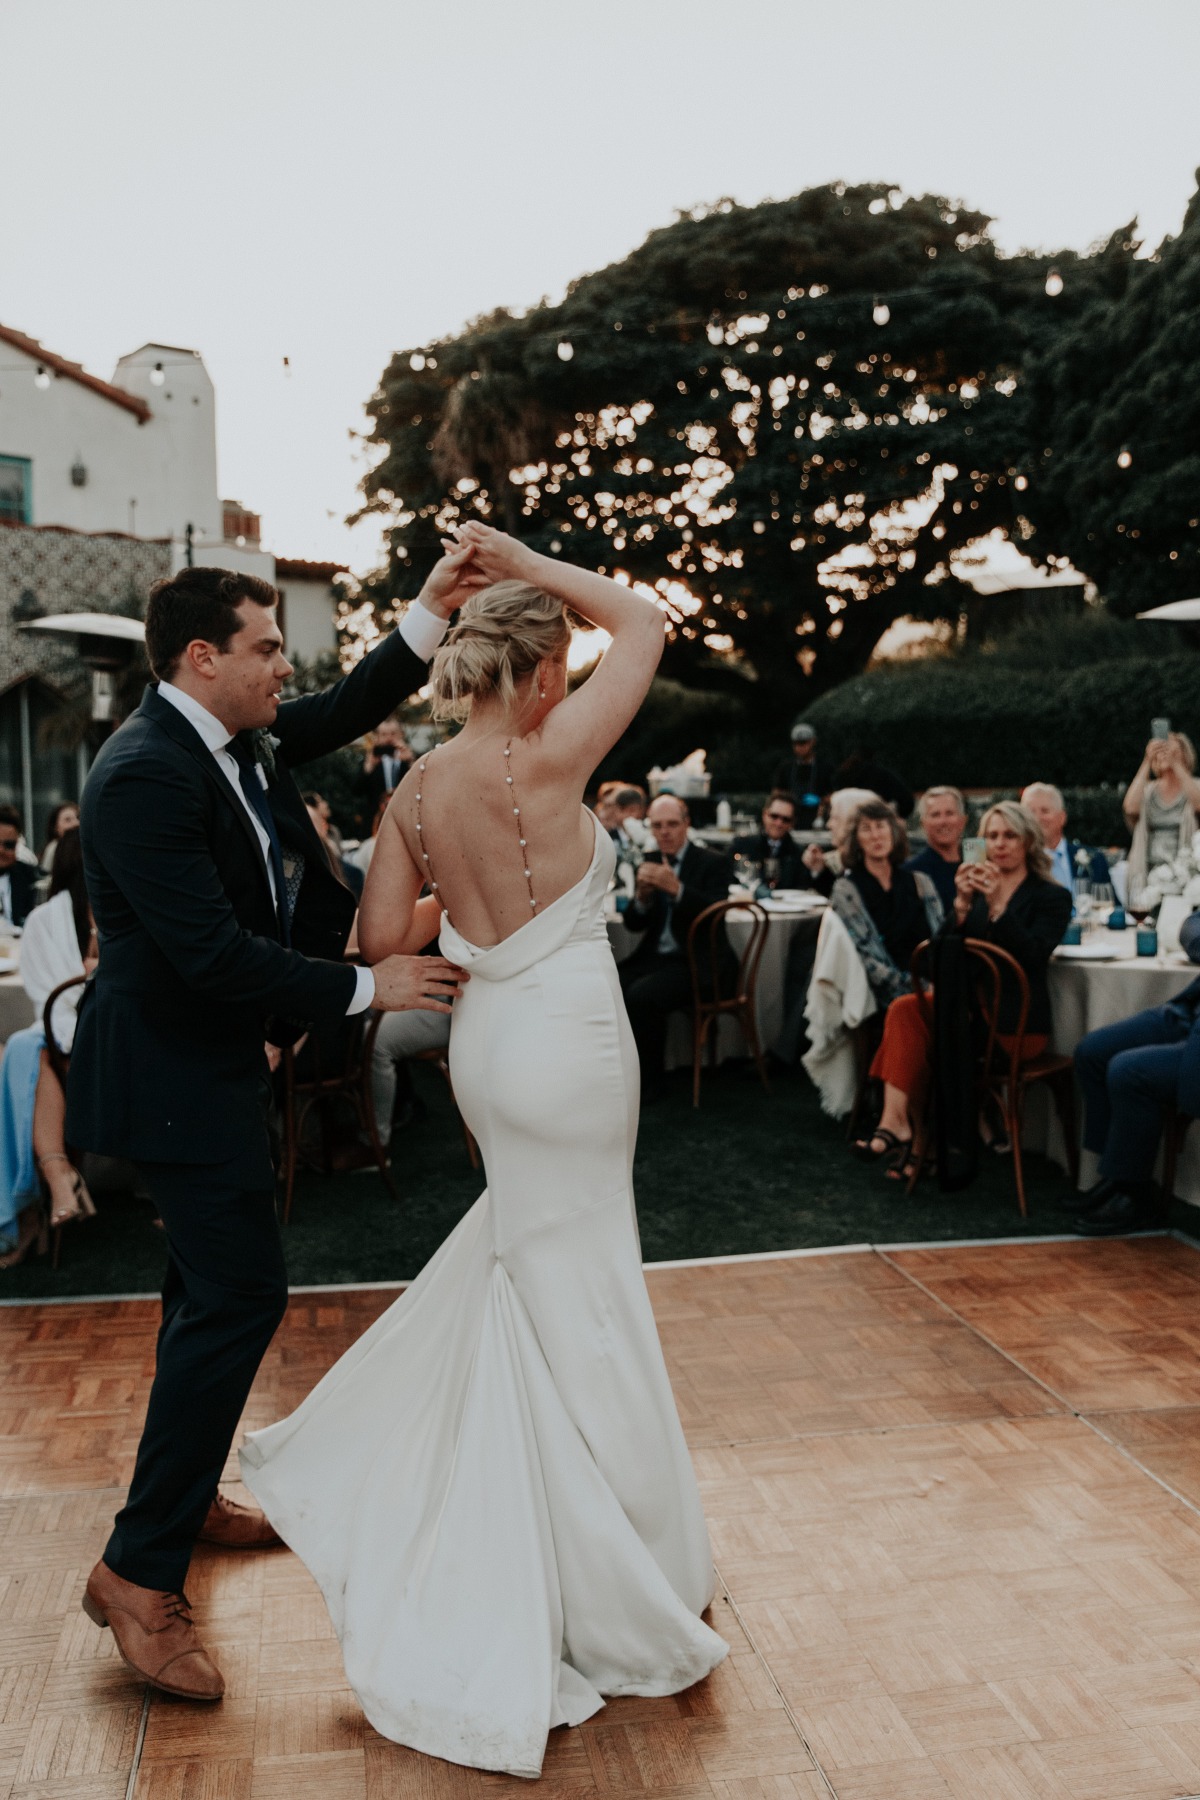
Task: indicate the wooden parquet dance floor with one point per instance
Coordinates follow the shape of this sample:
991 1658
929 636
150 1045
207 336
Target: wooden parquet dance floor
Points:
955 1504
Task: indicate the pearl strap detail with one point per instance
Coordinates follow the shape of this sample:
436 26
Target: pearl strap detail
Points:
523 842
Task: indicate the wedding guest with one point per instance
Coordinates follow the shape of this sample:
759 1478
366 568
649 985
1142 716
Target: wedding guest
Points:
1130 1074
1161 805
1046 803
64 817
943 813
861 770
675 882
608 813
18 879
887 909
632 830
1009 900
361 858
802 776
826 865
385 763
775 843
59 944
320 813
401 1036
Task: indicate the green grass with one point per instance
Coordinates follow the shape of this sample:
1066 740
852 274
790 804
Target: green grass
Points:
748 1172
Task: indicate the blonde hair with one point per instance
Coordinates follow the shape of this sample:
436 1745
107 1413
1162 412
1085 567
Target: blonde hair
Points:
1187 748
1027 828
503 633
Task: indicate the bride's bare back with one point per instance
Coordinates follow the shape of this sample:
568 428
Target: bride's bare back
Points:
497 831
504 836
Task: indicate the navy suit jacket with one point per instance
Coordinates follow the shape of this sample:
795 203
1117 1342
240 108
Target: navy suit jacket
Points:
168 1062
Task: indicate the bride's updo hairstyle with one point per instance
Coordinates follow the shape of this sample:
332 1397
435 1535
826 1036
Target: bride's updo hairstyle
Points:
503 633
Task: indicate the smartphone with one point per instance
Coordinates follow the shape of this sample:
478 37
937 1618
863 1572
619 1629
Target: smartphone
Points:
974 850
1160 728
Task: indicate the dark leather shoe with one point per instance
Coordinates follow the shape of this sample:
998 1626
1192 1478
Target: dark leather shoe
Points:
154 1634
237 1527
1085 1206
1121 1214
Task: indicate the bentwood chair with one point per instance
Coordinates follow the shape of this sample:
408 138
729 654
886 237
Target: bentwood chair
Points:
708 955
330 1075
1004 1075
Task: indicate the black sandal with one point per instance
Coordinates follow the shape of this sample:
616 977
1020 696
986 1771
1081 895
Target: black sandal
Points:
891 1144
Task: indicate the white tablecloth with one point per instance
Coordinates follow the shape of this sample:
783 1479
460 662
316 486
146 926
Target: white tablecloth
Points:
768 992
1086 995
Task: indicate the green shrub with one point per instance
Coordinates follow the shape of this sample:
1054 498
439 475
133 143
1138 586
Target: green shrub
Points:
981 722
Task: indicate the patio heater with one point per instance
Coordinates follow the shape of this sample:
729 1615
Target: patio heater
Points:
1183 612
104 642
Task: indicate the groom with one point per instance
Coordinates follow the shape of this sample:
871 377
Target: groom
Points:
221 927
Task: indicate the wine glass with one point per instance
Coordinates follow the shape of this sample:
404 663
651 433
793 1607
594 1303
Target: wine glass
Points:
1103 900
1083 906
747 872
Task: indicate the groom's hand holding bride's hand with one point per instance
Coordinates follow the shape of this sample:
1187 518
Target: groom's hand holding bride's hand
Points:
416 983
496 556
453 580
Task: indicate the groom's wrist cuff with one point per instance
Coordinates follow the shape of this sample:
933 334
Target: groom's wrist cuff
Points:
422 630
364 992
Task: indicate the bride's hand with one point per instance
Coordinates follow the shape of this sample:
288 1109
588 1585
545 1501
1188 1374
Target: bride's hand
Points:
453 580
498 556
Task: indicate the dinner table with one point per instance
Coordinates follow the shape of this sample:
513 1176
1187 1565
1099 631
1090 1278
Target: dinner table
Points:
789 914
16 1008
1096 983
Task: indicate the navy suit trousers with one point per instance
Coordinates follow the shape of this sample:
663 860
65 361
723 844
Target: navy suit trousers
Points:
1129 1073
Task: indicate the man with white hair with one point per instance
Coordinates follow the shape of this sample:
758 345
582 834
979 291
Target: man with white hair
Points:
944 819
1046 803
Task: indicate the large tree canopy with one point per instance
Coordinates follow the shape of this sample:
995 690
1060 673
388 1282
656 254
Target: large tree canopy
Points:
785 417
1114 421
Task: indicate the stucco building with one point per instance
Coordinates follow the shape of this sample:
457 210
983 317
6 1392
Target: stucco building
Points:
104 487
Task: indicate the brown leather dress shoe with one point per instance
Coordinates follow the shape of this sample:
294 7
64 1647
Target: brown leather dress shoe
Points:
237 1527
155 1635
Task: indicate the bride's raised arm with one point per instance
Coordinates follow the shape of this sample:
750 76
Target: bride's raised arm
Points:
589 722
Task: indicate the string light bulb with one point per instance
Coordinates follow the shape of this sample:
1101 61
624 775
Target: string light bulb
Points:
416 361
1054 284
1020 484
158 374
565 351
42 378
1125 459
881 312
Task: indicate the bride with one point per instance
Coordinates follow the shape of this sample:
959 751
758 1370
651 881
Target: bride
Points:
492 1486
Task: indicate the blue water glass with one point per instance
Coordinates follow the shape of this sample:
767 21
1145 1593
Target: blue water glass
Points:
1147 941
1074 933
622 901
1116 919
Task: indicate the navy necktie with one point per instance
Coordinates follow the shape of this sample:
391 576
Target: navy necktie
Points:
257 800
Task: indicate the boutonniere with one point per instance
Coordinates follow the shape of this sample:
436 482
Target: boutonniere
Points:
265 747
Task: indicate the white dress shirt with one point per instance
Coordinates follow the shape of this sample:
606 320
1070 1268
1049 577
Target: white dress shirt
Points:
421 630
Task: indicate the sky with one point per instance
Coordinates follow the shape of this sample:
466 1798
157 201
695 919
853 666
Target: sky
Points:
261 179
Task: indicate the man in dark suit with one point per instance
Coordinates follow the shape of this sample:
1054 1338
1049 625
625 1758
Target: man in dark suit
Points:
18 880
675 883
213 896
1130 1073
775 843
385 765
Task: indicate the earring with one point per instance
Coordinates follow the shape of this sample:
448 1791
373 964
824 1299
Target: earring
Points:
541 693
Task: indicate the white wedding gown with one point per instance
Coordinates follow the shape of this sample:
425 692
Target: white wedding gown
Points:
492 1486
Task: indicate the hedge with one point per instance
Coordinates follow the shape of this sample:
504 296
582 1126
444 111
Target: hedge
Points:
981 723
